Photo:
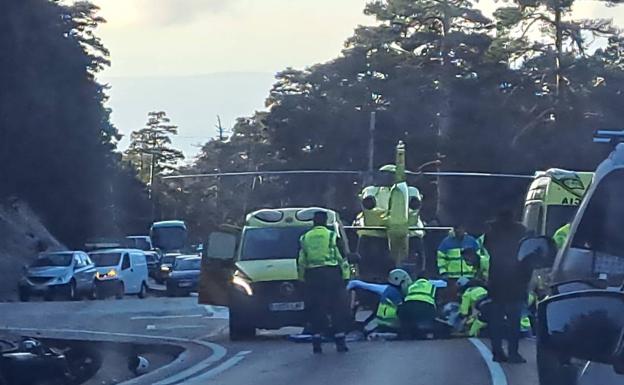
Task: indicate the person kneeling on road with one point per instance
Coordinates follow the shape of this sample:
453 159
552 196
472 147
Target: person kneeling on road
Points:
418 310
390 298
323 270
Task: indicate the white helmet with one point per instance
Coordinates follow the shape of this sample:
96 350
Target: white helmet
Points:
400 278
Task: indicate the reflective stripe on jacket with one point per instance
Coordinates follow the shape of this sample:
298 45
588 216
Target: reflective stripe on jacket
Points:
421 290
387 314
450 260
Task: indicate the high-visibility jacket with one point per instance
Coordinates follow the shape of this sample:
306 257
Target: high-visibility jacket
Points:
561 235
387 314
450 260
422 290
318 248
468 309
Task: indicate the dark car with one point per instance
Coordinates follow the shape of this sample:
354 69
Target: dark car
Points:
184 276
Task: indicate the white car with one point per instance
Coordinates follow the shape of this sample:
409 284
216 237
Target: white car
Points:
120 272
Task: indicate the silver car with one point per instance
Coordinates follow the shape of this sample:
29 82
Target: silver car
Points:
65 274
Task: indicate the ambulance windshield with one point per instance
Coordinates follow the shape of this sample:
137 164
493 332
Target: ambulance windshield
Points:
272 243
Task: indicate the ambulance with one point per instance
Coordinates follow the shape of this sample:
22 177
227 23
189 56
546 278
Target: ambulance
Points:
254 272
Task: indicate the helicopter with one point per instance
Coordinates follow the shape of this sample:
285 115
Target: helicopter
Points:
389 228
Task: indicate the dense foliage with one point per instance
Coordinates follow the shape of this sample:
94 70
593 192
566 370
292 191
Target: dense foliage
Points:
518 93
57 146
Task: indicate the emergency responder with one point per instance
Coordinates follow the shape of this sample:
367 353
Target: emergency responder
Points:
561 235
390 297
387 318
418 311
479 262
323 269
472 294
450 261
451 265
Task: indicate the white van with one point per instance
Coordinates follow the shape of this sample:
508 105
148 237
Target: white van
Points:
120 272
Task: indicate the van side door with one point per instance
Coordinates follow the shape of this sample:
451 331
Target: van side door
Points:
139 269
126 273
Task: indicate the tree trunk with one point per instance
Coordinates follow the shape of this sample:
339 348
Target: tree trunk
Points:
444 211
558 48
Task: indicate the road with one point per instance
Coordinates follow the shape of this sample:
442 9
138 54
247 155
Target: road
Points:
269 359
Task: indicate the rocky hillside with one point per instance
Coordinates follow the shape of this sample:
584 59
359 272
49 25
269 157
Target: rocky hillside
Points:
22 237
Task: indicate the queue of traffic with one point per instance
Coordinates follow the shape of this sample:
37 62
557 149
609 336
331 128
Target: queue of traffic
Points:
115 268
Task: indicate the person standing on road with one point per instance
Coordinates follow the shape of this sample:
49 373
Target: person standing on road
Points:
508 285
323 269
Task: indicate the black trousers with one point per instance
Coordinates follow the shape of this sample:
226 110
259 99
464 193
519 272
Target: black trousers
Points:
326 300
417 318
504 324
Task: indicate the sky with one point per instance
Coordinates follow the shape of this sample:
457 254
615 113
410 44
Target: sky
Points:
196 59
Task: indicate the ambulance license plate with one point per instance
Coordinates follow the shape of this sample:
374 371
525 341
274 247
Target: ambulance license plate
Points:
286 306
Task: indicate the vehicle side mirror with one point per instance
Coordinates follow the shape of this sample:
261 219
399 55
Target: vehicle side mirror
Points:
586 325
537 252
354 258
220 246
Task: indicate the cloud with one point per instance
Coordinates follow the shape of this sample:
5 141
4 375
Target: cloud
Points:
122 13
169 12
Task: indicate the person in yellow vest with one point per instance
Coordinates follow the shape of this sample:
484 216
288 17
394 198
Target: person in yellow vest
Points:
418 310
561 235
479 261
324 270
450 261
472 294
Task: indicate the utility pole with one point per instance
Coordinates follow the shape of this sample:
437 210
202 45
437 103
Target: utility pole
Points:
371 148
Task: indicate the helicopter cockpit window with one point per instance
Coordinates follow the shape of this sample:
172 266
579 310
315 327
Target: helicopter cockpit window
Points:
601 228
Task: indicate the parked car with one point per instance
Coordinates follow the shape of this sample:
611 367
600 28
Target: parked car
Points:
184 276
120 272
68 274
166 264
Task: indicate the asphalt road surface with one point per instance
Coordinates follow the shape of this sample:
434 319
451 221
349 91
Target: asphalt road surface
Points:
270 359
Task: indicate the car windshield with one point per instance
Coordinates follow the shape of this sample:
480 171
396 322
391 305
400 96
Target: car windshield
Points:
601 227
187 264
105 259
169 238
272 243
557 216
60 259
169 259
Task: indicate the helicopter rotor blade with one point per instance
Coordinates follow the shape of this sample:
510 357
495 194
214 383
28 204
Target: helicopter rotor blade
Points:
261 173
473 174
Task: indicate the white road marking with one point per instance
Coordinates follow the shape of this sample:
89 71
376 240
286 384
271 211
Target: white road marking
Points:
222 367
496 370
172 327
218 351
157 317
